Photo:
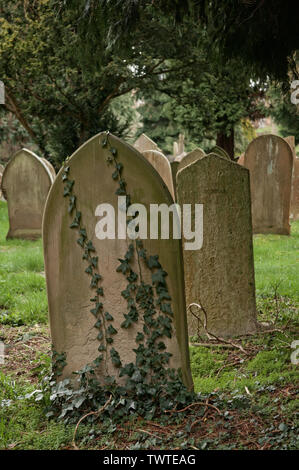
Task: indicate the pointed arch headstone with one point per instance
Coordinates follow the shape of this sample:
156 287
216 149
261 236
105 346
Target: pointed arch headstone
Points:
68 285
220 275
144 143
25 184
269 159
162 166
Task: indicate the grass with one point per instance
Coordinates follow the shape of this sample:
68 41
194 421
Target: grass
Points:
22 285
254 391
276 259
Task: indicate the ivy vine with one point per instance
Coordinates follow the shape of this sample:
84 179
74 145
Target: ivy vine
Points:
150 385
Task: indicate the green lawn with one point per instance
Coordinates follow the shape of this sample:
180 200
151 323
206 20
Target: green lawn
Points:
255 392
276 259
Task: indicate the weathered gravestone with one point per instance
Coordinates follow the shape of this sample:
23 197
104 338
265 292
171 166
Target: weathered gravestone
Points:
269 159
220 276
190 157
179 147
183 160
93 180
294 211
162 166
144 143
241 159
294 208
50 168
26 182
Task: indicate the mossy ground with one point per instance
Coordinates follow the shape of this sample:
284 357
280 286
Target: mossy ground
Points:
246 400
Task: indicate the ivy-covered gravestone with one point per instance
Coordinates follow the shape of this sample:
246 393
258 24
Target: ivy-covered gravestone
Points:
269 159
220 275
162 166
25 184
115 303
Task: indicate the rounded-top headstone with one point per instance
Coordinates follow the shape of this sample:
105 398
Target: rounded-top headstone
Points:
162 166
69 286
190 157
26 182
269 159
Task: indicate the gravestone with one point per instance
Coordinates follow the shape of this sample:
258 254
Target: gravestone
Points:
269 159
183 160
50 167
220 275
174 169
241 159
190 157
179 147
162 166
221 152
294 209
26 182
144 143
68 285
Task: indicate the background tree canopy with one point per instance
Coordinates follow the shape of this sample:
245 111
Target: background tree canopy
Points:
74 68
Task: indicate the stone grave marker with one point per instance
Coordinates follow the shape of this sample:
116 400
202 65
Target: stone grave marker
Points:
144 143
93 182
162 166
294 209
269 159
220 275
26 182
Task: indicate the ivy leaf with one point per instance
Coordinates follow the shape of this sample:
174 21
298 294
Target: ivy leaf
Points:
108 316
115 357
139 337
158 276
153 262
111 330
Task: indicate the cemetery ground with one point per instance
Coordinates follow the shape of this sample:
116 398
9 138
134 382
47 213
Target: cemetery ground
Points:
247 391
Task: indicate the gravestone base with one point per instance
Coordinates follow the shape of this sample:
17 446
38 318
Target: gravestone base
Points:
24 234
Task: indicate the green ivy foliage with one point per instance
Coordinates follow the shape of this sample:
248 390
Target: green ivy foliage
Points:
150 386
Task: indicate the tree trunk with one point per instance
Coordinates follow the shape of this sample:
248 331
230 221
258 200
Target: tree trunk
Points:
227 143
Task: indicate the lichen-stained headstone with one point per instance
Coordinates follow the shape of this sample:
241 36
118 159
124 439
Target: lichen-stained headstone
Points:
294 209
269 159
81 328
26 182
220 275
144 143
162 166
